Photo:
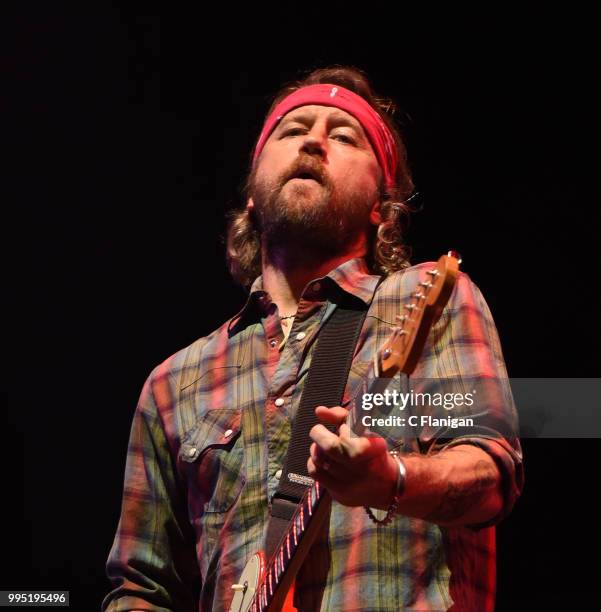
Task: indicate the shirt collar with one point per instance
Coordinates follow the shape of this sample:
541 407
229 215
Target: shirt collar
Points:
352 276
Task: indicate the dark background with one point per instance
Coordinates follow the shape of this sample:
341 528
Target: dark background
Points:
127 134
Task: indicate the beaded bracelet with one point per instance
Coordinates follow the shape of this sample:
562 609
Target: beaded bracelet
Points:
400 487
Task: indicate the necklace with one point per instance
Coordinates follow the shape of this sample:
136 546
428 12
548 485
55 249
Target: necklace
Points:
288 317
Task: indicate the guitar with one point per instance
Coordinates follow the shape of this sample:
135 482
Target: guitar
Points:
264 584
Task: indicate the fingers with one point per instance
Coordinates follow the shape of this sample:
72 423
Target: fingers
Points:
331 416
328 472
344 448
324 476
326 440
320 459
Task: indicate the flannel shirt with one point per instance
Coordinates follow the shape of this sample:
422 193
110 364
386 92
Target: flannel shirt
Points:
209 437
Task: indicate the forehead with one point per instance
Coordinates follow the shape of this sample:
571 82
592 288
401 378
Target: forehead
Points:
314 112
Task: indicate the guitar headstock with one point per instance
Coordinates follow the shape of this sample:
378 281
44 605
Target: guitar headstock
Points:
403 348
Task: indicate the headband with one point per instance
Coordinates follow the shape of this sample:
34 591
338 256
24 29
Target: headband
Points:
377 131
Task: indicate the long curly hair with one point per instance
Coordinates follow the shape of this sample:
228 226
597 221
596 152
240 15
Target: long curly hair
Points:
388 252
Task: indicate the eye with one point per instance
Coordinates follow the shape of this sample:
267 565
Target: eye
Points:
344 138
293 132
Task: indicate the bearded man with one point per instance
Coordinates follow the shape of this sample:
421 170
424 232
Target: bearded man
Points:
321 225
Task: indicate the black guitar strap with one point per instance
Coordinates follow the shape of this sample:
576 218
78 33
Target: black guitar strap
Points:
325 384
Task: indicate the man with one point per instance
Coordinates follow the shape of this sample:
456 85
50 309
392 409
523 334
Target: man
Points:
322 223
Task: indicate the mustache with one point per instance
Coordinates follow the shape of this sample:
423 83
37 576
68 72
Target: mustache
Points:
308 167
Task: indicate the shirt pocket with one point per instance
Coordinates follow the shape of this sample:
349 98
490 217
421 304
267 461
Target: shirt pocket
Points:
212 458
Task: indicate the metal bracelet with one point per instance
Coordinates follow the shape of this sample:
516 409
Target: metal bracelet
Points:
400 487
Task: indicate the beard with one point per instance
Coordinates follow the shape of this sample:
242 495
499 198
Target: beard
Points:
309 213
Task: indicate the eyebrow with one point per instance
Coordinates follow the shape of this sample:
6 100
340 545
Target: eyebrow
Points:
336 119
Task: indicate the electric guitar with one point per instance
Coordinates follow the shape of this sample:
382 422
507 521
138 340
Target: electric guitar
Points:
264 584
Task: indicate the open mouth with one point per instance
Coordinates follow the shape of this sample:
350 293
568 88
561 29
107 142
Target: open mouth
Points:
305 175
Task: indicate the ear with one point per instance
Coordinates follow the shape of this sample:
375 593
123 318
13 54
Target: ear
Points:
375 215
250 204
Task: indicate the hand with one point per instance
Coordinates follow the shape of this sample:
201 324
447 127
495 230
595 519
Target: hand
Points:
356 471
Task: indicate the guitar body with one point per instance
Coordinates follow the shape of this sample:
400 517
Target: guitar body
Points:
251 577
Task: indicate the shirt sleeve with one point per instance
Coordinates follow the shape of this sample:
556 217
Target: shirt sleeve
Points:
463 354
152 564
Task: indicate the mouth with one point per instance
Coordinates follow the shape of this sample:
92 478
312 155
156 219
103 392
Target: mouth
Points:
305 175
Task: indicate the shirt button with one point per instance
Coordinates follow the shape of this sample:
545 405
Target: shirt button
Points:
316 287
279 401
191 452
300 335
273 342
228 433
278 474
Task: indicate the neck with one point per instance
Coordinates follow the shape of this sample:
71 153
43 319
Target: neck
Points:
286 272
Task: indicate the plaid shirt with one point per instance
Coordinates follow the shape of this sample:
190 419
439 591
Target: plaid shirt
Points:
209 437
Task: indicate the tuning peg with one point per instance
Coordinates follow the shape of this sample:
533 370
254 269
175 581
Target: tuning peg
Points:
456 255
434 272
419 296
426 284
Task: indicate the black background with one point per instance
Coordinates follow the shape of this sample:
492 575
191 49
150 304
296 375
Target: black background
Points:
127 133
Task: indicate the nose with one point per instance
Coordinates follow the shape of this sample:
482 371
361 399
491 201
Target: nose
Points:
313 143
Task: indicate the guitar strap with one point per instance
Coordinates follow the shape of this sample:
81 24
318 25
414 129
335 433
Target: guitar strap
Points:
325 384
